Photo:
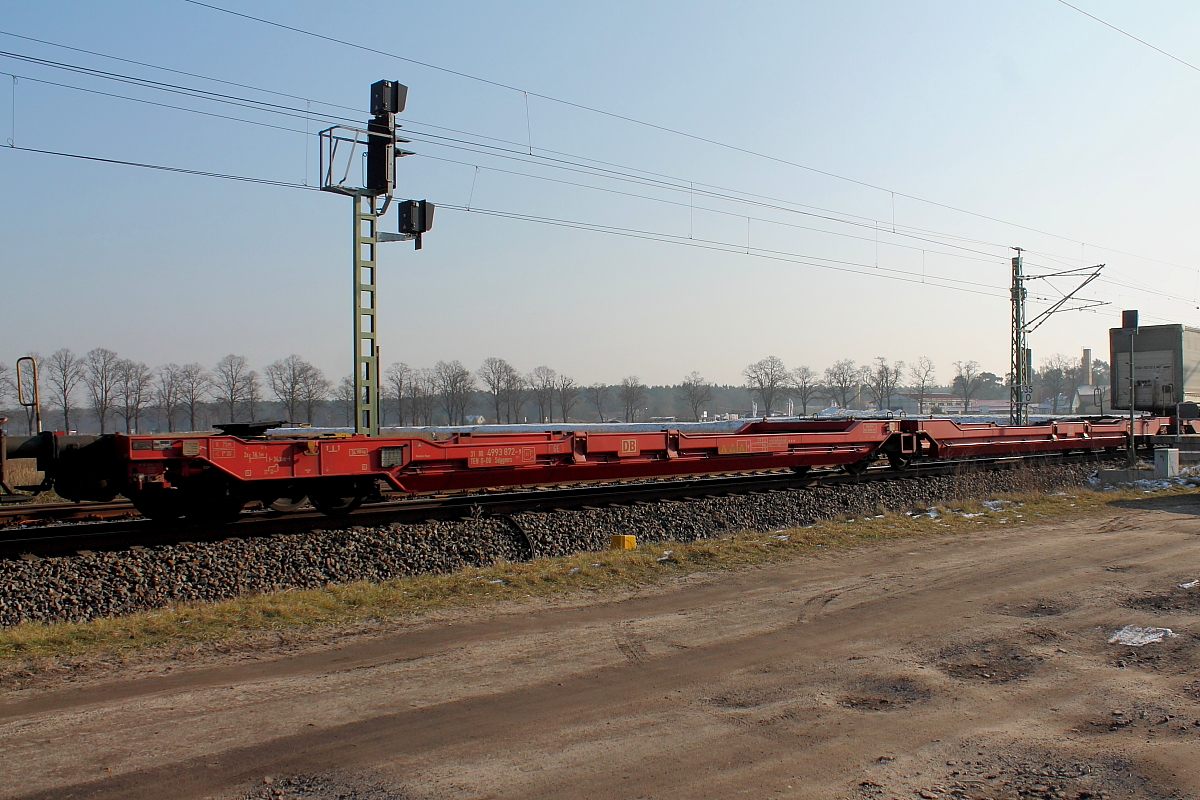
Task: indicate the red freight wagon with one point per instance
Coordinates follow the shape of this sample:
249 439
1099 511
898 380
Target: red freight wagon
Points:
214 476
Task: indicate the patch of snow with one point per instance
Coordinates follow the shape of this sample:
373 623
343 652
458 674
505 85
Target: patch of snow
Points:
1137 636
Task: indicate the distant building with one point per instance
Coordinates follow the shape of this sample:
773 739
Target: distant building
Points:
939 402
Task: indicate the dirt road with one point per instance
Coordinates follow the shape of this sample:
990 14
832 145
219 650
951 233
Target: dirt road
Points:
951 667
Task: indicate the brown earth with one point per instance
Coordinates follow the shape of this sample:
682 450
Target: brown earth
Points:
967 666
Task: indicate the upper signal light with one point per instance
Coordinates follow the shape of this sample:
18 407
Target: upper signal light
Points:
388 97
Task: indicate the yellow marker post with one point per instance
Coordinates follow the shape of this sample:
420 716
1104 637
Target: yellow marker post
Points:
623 542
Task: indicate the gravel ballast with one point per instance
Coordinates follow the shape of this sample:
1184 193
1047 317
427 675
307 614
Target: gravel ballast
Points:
90 585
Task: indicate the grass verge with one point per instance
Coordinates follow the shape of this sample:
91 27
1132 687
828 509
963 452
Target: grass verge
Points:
603 572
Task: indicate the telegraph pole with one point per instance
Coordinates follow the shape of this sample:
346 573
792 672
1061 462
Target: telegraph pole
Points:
343 145
1129 321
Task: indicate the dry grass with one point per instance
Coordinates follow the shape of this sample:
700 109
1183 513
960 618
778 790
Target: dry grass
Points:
22 472
587 572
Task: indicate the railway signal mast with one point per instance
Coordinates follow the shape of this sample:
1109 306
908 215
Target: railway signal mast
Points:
1021 368
341 148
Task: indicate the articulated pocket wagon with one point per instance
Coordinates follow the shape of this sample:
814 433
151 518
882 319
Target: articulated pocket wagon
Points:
213 476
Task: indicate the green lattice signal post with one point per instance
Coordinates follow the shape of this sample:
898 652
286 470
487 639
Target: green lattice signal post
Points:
366 350
342 146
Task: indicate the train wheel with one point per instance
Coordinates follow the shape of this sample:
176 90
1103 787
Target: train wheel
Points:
217 510
899 461
335 506
159 504
286 504
858 467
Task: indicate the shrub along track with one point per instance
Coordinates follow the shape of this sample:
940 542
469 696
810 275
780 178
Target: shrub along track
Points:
88 584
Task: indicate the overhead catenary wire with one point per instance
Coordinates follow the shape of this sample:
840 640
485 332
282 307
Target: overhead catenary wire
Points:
692 206
1171 56
307 114
202 94
647 235
867 270
707 244
767 254
154 103
868 223
175 71
351 108
181 170
631 120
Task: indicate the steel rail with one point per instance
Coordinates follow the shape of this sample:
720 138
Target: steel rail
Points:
45 512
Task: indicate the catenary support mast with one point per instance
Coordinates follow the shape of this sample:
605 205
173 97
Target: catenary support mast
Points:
1018 403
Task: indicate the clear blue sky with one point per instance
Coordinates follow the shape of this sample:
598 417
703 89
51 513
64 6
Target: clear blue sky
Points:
1026 111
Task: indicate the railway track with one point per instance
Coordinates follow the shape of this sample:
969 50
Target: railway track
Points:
38 513
90 531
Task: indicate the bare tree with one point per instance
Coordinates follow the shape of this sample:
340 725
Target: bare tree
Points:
343 398
455 385
287 377
1054 377
966 381
805 384
494 373
424 396
314 388
399 376
767 380
515 387
253 398
134 391
568 395
632 393
6 383
167 392
194 384
921 376
882 380
597 395
542 382
101 375
842 381
63 373
695 391
229 384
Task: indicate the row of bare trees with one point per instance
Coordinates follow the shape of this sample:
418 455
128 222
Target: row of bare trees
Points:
771 382
121 390
417 394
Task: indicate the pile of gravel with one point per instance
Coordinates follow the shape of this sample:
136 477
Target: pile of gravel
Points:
89 585
327 786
